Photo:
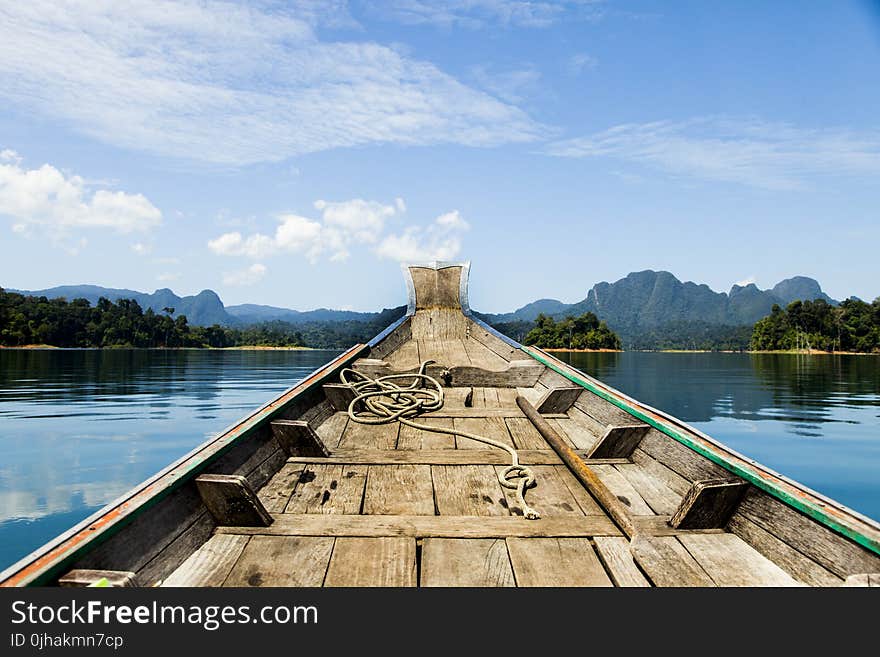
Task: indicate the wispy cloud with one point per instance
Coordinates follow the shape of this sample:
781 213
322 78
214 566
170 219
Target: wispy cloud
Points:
581 62
248 276
226 83
346 225
752 152
56 204
510 85
476 14
168 277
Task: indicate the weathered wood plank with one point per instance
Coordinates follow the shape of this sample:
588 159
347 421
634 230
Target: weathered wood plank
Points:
282 561
679 458
657 495
667 562
558 400
834 552
411 438
619 441
591 427
387 561
328 489
582 496
659 526
330 430
405 357
709 503
486 456
275 494
507 399
490 427
298 438
551 496
399 489
231 500
339 395
572 433
799 566
524 434
370 436
603 411
481 356
171 556
426 526
468 490
870 580
615 553
622 489
466 562
674 481
730 561
555 562
211 564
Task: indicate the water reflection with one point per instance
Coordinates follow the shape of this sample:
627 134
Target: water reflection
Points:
79 428
813 418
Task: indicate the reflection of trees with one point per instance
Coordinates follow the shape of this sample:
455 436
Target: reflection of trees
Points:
697 387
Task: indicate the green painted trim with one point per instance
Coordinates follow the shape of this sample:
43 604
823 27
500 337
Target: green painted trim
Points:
812 508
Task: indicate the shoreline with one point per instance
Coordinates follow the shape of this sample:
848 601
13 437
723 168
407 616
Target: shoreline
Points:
554 350
49 347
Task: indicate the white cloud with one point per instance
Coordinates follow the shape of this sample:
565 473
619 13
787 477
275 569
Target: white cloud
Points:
59 203
247 276
746 281
221 82
512 85
581 62
167 277
776 156
9 155
441 240
481 13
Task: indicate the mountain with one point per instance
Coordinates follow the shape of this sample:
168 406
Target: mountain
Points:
249 313
643 302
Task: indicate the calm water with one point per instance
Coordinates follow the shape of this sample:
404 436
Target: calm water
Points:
79 428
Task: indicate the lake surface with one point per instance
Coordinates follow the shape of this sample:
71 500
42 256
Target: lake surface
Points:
79 428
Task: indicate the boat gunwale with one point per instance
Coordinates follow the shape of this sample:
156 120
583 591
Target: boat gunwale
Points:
42 564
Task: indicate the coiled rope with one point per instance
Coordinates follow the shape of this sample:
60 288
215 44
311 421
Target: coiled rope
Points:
383 400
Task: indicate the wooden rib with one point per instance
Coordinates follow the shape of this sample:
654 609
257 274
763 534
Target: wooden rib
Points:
399 490
615 553
619 440
282 561
466 562
426 526
487 456
383 561
328 489
468 490
555 562
211 564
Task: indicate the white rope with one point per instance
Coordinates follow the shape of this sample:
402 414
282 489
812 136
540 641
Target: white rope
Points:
383 400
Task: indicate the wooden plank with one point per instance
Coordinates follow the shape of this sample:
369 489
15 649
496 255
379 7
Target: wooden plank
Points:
582 496
524 434
399 489
370 436
411 438
405 357
667 562
533 394
600 410
871 580
425 526
483 357
657 495
330 430
211 564
282 561
466 562
468 490
490 398
339 395
659 526
387 561
571 433
674 481
172 555
275 494
487 456
555 562
615 553
709 503
231 500
619 441
799 566
455 352
591 427
297 438
551 496
679 458
730 561
623 490
507 399
836 553
558 400
82 578
328 489
490 427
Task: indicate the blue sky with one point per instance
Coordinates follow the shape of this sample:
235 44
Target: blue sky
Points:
293 153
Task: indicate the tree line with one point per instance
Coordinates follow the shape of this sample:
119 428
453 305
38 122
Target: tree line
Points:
28 320
582 332
854 325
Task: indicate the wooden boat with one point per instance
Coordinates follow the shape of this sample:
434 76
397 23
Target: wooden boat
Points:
299 493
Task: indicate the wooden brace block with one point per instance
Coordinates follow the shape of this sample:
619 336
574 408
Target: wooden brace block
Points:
297 438
559 400
619 442
708 504
863 579
232 501
83 578
339 395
